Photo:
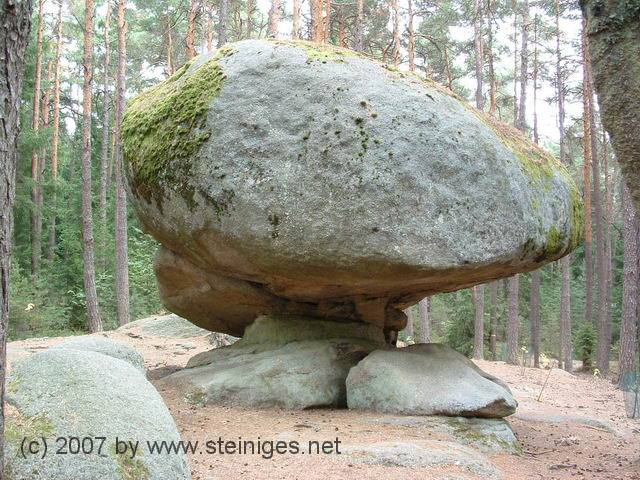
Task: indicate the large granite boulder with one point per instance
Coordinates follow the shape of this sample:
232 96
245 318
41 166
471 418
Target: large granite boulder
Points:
292 178
291 363
65 392
427 379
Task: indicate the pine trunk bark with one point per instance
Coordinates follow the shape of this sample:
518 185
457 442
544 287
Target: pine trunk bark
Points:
104 156
55 141
479 51
425 324
91 296
535 317
493 87
36 195
222 22
122 256
190 39
295 30
360 25
274 19
630 294
478 338
586 177
411 38
512 321
494 320
396 32
524 68
15 24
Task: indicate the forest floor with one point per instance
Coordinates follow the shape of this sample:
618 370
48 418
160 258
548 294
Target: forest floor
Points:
577 429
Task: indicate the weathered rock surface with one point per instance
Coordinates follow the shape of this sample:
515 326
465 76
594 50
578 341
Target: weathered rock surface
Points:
422 455
169 326
285 178
427 379
292 363
73 393
106 346
489 435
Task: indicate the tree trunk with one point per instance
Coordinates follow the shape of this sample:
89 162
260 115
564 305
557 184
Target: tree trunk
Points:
396 32
222 22
493 88
15 24
122 257
295 31
408 330
359 25
91 296
36 195
588 251
478 338
190 39
566 348
479 51
494 320
535 317
274 19
630 294
251 7
104 157
170 67
209 28
524 68
512 321
411 40
425 325
614 44
608 239
55 141
536 136
604 346
326 29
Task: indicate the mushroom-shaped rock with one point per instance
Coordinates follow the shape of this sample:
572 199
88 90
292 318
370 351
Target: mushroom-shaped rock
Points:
288 178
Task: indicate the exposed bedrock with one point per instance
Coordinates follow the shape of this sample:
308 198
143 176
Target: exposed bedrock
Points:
292 178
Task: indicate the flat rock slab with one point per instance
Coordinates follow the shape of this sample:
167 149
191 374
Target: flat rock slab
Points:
427 379
490 435
75 393
292 363
422 455
166 326
286 177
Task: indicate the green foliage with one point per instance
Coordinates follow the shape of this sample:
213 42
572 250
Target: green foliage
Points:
585 345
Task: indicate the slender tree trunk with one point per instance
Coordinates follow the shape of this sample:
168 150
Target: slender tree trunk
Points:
494 320
408 330
360 25
326 29
515 63
295 31
396 32
512 321
608 219
493 88
55 142
587 143
251 7
222 22
190 39
630 294
566 348
425 325
122 256
411 40
604 346
478 339
274 19
524 68
479 51
342 28
36 196
170 67
91 296
15 24
536 136
104 157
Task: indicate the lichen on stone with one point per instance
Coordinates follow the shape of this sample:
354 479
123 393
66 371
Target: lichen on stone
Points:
130 468
164 126
320 52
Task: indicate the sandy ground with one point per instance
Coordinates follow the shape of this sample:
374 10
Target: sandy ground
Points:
576 430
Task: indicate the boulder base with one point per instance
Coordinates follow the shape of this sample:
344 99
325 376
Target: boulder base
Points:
292 363
427 379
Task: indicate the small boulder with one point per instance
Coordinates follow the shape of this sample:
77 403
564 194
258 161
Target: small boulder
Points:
166 326
427 379
64 392
288 362
106 346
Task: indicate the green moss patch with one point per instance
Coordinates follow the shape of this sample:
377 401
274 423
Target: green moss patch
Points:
320 52
165 125
19 426
130 468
